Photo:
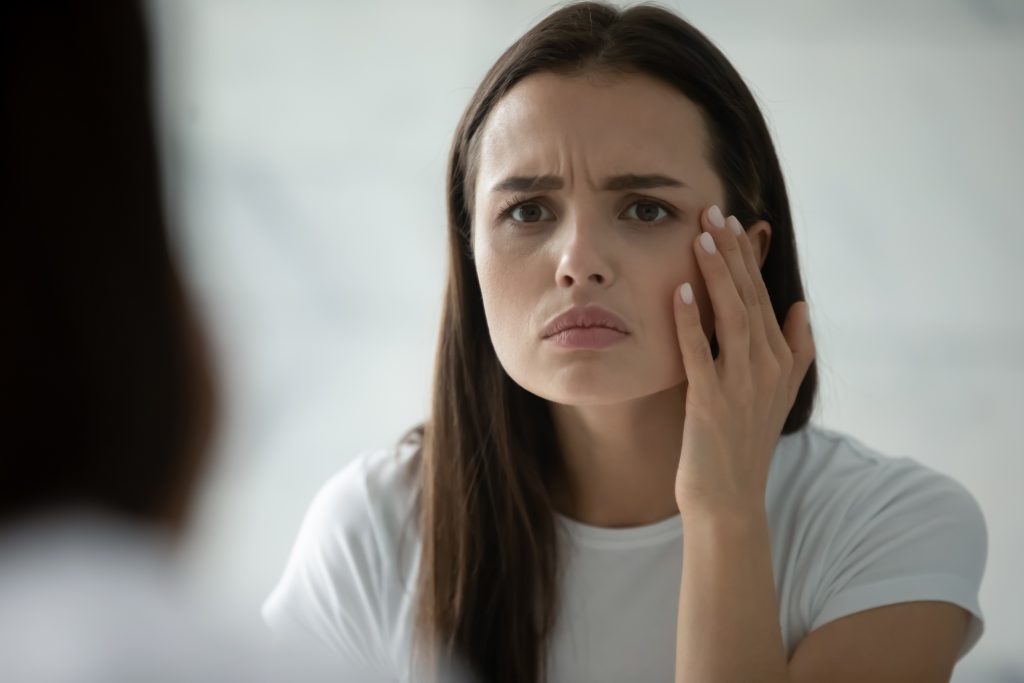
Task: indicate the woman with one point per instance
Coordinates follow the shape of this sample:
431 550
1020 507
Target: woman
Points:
106 392
617 480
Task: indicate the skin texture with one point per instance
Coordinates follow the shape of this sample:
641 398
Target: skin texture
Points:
654 425
546 125
619 410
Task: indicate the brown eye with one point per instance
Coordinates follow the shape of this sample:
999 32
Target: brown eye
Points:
647 212
528 213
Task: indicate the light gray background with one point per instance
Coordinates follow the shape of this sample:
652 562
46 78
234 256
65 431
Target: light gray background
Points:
306 143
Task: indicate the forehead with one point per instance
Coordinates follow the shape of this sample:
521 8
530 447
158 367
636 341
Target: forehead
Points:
572 125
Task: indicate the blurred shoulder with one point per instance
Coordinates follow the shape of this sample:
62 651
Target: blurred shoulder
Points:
87 596
377 489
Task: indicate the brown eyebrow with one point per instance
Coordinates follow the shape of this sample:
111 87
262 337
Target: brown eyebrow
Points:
629 181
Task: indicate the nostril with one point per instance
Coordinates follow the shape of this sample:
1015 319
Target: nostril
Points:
569 280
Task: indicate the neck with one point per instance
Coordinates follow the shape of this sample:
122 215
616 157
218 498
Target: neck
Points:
619 461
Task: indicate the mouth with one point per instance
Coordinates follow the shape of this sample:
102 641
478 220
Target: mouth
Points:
586 327
587 337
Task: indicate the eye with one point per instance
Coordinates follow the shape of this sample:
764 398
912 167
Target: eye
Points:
529 212
647 211
525 211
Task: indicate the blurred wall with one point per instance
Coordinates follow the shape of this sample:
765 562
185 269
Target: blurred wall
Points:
306 144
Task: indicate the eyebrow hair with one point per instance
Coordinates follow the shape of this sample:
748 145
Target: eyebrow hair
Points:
628 181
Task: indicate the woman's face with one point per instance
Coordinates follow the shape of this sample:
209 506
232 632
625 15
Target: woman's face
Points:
623 179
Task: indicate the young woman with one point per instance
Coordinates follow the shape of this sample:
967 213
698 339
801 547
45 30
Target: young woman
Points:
618 480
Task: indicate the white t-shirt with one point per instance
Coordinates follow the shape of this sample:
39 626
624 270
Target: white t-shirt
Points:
851 530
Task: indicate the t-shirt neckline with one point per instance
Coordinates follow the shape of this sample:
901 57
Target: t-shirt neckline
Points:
662 531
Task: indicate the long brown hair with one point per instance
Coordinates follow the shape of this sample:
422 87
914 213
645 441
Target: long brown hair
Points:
488 579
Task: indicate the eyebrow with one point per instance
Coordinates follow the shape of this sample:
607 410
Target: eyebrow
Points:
628 181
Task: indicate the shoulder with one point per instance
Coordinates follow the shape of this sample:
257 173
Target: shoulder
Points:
818 468
377 487
362 515
857 529
344 582
88 596
816 452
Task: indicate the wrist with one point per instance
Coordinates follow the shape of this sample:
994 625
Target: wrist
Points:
738 516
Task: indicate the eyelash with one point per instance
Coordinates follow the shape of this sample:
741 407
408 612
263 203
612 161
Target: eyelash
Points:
517 200
510 206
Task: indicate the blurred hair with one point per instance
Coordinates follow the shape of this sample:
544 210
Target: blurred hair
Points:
105 395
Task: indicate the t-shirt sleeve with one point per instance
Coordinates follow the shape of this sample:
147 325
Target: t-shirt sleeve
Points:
907 534
331 587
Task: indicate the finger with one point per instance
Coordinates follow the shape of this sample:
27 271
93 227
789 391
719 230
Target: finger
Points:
797 332
727 239
693 344
732 321
773 334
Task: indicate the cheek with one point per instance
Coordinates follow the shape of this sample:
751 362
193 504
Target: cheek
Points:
667 289
662 286
509 301
663 276
670 276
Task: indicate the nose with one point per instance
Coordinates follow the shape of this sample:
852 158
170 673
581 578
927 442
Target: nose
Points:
582 257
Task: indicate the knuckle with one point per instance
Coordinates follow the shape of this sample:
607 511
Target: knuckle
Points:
772 372
737 320
729 246
749 295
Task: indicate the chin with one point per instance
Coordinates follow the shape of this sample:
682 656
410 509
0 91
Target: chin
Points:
581 386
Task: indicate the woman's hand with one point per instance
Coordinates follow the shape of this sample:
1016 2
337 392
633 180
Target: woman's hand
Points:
736 404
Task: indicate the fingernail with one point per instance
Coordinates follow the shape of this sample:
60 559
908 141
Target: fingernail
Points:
686 293
715 216
707 242
734 225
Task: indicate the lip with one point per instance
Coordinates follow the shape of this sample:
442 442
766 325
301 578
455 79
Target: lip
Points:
585 327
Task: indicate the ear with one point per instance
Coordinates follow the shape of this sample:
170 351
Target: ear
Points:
760 234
